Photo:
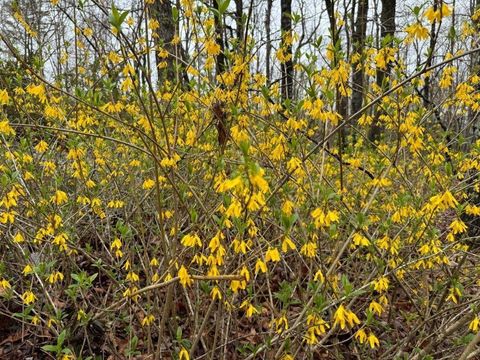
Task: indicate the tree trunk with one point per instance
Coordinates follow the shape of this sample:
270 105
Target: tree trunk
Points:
358 37
161 11
286 45
239 21
387 19
268 49
220 61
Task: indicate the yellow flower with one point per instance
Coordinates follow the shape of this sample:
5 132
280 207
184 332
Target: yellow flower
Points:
18 238
360 240
250 309
381 284
154 262
27 270
436 15
287 207
375 307
116 244
191 240
309 249
5 128
418 31
41 147
316 327
260 266
212 48
215 293
474 324
322 219
28 297
4 284
342 316
81 315
448 200
4 98
458 226
147 320
472 210
453 293
148 184
361 336
373 341
55 276
59 198
133 277
258 181
288 244
234 210
183 354
319 277
185 279
272 255
281 324
230 184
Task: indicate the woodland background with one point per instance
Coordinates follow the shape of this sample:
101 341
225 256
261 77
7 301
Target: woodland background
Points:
270 179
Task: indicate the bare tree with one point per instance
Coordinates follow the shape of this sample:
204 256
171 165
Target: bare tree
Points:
161 11
387 33
286 46
268 49
358 37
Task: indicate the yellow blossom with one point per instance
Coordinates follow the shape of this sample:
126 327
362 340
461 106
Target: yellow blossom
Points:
147 320
190 240
183 354
250 310
185 278
343 316
361 336
5 128
287 244
260 266
373 341
458 226
474 324
28 297
59 198
272 254
4 98
215 293
148 184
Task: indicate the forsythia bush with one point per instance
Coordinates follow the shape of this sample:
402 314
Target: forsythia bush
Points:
129 226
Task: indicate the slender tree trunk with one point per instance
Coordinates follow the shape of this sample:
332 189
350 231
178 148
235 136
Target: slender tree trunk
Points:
341 100
221 61
358 37
268 49
239 21
476 69
387 19
161 11
286 45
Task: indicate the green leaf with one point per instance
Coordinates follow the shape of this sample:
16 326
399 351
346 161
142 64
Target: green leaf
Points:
116 18
174 13
50 348
179 333
223 6
61 338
